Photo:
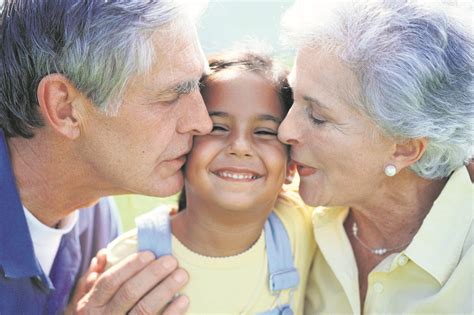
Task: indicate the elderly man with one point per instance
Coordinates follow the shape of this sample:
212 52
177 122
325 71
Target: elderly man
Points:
97 98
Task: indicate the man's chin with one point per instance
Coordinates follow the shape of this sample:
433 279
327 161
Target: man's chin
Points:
169 186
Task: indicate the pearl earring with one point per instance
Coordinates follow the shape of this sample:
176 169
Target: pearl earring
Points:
390 170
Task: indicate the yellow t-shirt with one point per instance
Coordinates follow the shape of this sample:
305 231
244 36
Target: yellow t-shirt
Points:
433 275
239 284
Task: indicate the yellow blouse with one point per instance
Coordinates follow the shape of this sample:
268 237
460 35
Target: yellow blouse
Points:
433 275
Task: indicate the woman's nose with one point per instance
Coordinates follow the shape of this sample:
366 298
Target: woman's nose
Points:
289 132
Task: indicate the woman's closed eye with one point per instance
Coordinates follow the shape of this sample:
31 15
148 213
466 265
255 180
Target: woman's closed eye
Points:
315 120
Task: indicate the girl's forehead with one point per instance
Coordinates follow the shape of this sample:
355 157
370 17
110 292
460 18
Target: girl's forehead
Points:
242 93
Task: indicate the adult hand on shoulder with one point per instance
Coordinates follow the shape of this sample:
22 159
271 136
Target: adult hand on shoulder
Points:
87 281
140 284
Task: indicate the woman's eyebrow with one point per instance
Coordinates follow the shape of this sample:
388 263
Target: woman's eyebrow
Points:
315 101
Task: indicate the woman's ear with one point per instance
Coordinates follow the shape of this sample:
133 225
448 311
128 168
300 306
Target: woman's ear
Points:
290 173
56 96
470 169
409 152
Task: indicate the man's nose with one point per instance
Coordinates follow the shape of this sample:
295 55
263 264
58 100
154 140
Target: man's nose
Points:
196 119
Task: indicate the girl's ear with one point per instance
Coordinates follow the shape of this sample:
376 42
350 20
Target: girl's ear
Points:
290 173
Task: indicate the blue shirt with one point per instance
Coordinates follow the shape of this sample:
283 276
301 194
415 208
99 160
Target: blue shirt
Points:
24 287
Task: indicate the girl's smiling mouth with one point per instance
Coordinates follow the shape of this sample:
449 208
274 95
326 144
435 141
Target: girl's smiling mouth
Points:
233 174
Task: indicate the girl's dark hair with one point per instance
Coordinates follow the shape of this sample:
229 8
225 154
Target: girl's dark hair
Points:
248 61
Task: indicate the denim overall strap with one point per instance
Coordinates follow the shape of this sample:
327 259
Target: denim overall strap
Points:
154 232
282 273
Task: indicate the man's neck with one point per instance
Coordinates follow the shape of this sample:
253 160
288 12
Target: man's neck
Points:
218 232
50 181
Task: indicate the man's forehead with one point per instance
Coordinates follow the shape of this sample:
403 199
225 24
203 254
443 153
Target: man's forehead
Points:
179 61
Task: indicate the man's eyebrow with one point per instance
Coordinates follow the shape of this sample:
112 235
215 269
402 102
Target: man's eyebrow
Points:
186 87
269 117
315 101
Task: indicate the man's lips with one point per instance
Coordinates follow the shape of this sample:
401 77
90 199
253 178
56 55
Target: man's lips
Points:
235 174
304 170
177 162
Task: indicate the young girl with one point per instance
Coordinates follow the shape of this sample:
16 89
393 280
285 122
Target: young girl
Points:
245 243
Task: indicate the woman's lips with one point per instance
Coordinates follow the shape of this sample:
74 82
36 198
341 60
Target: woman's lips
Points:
304 170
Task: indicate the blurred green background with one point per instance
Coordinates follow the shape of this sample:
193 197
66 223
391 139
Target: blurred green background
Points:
224 23
132 205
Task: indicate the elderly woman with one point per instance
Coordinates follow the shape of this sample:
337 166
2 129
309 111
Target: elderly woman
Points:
380 130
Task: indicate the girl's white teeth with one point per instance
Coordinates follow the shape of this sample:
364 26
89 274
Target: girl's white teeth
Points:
236 175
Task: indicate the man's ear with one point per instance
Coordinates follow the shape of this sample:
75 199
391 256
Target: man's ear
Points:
409 152
56 97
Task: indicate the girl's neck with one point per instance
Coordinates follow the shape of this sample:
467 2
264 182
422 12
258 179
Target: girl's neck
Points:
217 232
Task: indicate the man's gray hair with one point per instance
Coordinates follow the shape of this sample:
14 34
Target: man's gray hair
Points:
414 62
96 44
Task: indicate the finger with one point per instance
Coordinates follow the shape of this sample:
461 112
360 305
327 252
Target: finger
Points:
83 285
97 266
79 292
178 306
156 300
137 287
90 281
101 260
110 281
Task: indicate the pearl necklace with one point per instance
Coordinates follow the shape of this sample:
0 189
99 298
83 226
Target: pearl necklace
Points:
376 251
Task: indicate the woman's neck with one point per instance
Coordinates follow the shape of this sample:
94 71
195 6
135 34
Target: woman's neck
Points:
390 222
217 232
393 219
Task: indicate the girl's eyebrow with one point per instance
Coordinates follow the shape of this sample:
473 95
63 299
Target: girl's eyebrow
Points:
219 114
265 117
269 117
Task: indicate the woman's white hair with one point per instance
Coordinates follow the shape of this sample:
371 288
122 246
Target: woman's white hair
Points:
414 62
